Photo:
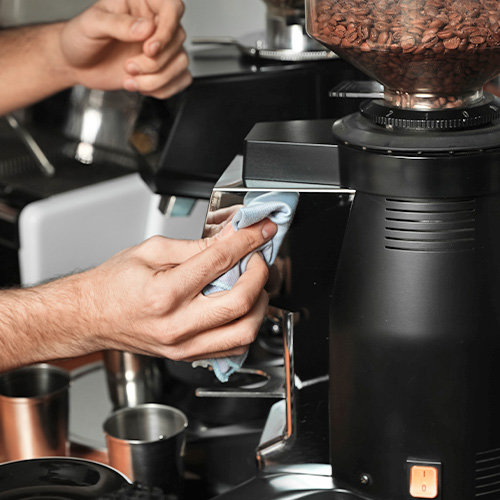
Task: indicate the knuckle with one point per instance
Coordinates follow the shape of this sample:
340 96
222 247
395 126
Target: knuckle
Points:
264 272
182 7
178 65
172 88
148 84
238 351
156 245
159 304
219 258
182 36
183 56
153 305
243 337
223 314
155 242
147 243
177 354
176 8
247 338
151 66
249 239
242 304
184 81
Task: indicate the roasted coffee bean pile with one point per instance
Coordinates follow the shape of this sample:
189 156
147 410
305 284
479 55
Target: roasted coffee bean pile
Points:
444 47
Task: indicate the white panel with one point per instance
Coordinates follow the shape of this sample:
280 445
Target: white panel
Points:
84 227
223 18
202 17
81 228
21 12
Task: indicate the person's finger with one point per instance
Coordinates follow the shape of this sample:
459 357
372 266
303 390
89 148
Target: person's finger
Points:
142 64
218 231
100 24
230 339
168 14
217 220
198 340
220 255
159 252
160 84
163 90
222 214
221 308
219 354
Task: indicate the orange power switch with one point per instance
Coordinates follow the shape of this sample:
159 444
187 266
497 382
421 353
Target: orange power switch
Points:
423 481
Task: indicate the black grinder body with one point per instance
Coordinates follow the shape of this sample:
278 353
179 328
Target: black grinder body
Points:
415 317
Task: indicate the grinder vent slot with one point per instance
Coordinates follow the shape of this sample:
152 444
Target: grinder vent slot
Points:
419 225
488 474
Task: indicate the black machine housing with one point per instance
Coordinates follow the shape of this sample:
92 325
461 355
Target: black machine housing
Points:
204 127
415 310
415 316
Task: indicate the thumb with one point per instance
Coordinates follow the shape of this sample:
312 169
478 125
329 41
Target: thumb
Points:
268 229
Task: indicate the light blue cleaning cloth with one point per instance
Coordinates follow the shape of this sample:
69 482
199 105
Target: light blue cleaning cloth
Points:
279 207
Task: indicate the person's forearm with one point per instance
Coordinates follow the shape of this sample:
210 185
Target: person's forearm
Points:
31 65
43 323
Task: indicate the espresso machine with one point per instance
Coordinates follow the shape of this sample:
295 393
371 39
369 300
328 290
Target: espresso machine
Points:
391 370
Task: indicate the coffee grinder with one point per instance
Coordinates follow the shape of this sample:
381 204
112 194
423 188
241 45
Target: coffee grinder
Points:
414 329
415 316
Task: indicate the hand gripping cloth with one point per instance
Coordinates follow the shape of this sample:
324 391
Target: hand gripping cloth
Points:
277 206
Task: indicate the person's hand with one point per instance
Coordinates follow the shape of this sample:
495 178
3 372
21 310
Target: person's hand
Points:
132 44
148 298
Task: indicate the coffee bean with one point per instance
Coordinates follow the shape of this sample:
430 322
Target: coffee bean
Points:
340 30
431 10
477 40
429 38
437 24
382 38
441 47
364 32
351 37
381 26
407 42
324 16
446 33
451 43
